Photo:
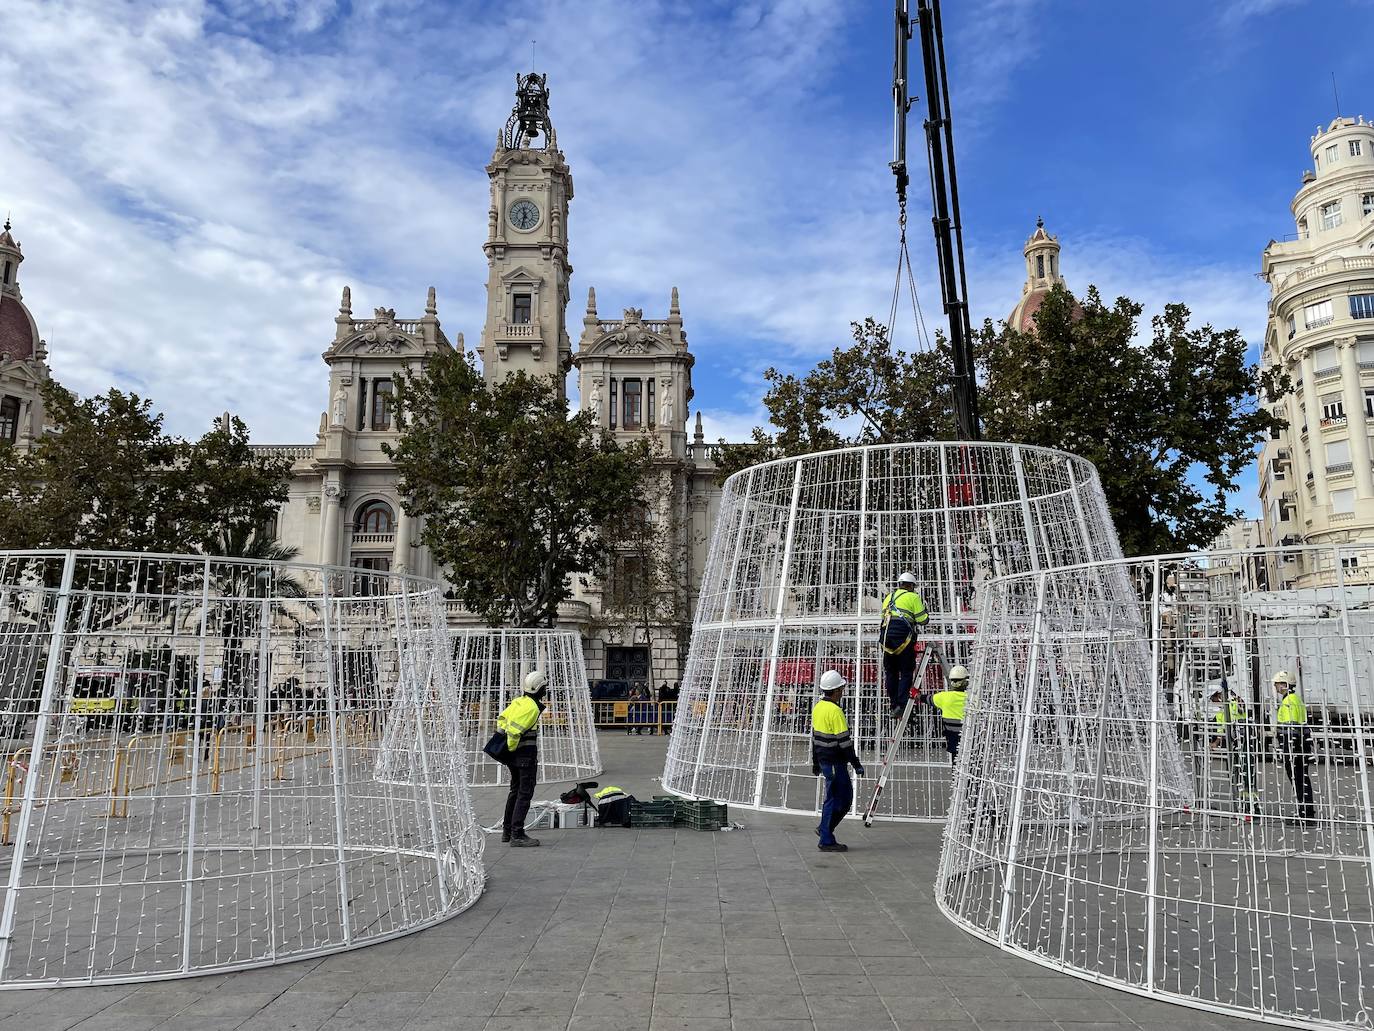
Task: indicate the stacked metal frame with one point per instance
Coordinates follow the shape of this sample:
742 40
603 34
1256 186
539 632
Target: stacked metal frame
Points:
491 665
1129 806
215 764
803 553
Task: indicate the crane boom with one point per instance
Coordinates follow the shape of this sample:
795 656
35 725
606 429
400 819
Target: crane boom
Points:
944 193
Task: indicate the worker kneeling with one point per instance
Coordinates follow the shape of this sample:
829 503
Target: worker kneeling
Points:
519 721
951 702
832 753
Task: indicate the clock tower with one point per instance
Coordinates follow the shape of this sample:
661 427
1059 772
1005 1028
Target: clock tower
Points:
527 244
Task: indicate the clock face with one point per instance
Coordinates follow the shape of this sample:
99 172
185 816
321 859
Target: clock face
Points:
524 214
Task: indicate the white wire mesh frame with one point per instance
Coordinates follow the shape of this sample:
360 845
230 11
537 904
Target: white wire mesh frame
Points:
802 554
216 764
490 667
1105 824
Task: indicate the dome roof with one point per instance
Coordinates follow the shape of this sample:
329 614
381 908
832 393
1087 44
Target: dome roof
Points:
18 334
1022 317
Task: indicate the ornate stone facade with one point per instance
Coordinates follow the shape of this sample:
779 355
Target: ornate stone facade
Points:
344 507
1317 475
23 354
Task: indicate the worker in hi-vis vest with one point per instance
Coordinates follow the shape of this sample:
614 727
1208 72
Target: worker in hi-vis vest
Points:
951 703
1237 736
1295 743
519 721
832 753
903 614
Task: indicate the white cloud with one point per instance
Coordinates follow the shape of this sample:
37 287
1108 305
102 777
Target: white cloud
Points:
194 183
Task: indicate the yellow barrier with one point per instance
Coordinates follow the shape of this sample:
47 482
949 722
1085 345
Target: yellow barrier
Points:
216 758
12 771
656 717
120 780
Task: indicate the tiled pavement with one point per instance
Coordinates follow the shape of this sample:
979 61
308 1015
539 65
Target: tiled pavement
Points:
748 930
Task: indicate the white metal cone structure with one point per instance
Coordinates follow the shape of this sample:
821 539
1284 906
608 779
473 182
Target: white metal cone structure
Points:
1129 807
219 763
803 553
491 665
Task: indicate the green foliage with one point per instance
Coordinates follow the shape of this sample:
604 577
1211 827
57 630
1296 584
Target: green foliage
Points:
111 479
1169 422
515 495
867 393
228 494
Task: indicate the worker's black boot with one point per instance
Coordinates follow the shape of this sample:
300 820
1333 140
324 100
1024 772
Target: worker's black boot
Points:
522 840
837 846
505 836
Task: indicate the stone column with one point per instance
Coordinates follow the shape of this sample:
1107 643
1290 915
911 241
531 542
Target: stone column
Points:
1314 433
329 535
1353 394
400 548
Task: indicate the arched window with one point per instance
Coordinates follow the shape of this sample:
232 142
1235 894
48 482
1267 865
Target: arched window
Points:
374 517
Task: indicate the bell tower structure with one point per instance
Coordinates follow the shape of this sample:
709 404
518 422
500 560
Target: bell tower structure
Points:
527 244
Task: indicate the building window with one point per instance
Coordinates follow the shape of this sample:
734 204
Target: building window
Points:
1338 453
627 581
375 517
1315 315
366 583
1369 402
1302 229
1349 562
1333 154
1052 272
1367 204
9 267
1284 510
9 419
1277 467
362 404
1365 353
381 404
633 412
1331 215
1292 326
652 411
1355 148
520 310
1039 266
1343 500
1333 408
1362 306
614 405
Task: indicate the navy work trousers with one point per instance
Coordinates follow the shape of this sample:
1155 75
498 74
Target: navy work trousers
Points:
839 796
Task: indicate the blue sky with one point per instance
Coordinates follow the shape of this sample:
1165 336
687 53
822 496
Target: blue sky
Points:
194 182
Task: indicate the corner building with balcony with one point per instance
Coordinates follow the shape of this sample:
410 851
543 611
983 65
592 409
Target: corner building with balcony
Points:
344 506
1316 476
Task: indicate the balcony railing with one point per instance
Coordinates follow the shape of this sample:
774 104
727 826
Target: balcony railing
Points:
518 331
376 540
1319 323
291 451
1340 469
1302 275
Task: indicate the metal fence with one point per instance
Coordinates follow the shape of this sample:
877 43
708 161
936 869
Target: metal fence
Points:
804 551
1128 806
491 667
635 716
215 764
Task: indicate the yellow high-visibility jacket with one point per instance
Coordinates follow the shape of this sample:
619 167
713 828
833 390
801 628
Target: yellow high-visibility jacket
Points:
520 721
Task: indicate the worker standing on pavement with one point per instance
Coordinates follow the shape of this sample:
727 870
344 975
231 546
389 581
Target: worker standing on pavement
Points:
903 614
520 722
832 753
951 703
1237 736
1295 743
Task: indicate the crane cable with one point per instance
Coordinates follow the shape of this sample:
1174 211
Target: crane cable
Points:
904 266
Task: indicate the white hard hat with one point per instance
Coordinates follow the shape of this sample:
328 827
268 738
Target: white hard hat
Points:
907 578
958 673
832 681
535 681
1284 677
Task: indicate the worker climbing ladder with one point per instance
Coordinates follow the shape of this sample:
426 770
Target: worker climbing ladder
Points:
899 731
